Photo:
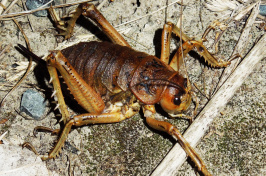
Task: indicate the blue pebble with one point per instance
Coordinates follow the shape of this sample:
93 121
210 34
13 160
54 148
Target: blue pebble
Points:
33 4
263 10
33 104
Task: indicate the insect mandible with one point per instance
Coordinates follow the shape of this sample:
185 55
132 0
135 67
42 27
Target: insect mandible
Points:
113 82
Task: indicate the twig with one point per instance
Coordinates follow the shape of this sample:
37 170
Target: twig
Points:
30 61
10 6
24 86
246 10
176 157
25 7
10 15
2 4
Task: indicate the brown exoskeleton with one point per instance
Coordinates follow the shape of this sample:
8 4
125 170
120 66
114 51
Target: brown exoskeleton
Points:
113 81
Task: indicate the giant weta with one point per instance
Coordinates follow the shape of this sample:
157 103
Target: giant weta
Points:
113 82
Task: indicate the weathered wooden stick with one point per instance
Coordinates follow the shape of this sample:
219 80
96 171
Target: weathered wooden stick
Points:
176 157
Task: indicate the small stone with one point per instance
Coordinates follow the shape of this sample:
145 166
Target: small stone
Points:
33 104
263 10
33 4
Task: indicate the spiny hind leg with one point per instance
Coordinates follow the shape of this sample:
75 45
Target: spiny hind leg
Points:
79 120
58 95
113 114
86 119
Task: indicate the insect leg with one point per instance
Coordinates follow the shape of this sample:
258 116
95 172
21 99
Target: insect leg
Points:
89 10
58 94
165 42
166 37
84 94
45 129
190 44
149 112
65 27
80 120
173 131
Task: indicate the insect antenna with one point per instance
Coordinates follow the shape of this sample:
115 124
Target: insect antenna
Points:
164 82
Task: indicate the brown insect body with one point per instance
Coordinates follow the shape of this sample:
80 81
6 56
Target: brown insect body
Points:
101 76
111 69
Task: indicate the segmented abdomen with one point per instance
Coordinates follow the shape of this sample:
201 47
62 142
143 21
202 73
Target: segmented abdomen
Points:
104 65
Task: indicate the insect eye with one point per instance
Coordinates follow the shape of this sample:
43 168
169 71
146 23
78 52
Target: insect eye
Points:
177 101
